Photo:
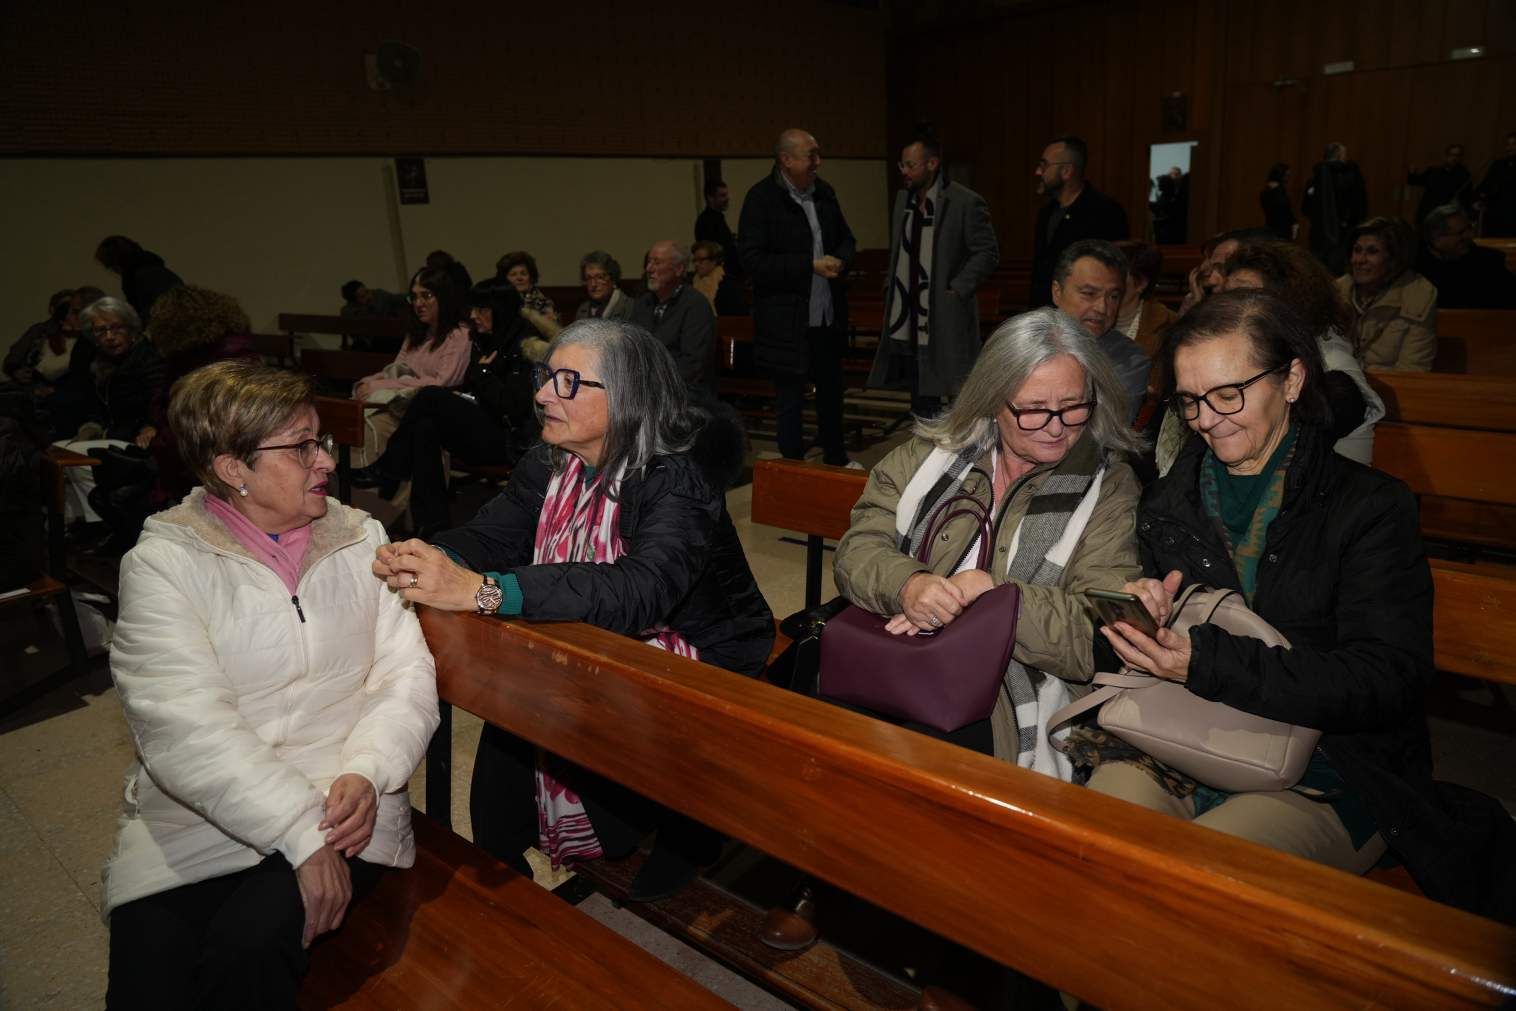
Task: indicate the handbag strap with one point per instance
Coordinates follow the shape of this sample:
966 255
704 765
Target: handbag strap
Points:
950 510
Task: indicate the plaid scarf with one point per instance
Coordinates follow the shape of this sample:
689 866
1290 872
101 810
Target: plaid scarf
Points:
579 523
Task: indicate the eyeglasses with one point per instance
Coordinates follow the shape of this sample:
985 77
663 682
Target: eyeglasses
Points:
110 328
306 449
1035 419
421 296
566 382
1226 399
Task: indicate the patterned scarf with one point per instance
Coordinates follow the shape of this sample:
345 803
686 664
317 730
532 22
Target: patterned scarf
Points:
579 523
1247 553
912 281
1040 548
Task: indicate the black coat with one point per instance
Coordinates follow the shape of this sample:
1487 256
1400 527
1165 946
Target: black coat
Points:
1278 215
774 238
1092 215
1440 184
143 278
1498 191
1345 579
683 566
711 226
1477 280
128 388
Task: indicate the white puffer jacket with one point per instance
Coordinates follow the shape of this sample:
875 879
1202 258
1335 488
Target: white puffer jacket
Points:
245 705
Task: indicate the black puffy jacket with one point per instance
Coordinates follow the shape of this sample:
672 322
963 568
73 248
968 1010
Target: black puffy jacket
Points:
683 565
1345 578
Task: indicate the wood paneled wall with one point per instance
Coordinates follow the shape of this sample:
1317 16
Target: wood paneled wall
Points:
684 79
1000 88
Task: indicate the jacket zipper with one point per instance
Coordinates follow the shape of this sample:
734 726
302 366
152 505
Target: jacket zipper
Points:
296 601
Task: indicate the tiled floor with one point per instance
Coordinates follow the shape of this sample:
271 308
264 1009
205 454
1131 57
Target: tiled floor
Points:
62 759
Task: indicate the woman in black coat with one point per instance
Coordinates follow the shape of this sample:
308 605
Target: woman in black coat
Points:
1278 214
1329 552
619 520
490 418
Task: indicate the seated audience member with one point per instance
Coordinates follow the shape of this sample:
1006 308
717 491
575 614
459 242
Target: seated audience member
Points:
1278 212
679 317
268 790
519 270
1465 274
1089 281
618 520
1037 436
1326 550
1297 277
1496 195
1206 278
359 301
441 259
1394 308
67 396
192 327
143 274
435 353
45 347
712 281
127 374
601 274
490 418
1140 317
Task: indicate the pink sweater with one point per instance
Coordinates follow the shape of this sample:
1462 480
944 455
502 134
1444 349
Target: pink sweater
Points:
444 365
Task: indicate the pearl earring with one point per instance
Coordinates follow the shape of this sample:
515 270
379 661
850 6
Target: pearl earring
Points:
242 491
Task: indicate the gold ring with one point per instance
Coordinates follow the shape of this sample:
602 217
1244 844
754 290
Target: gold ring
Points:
414 580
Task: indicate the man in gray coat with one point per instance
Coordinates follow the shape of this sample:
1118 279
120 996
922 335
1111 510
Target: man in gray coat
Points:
680 317
942 248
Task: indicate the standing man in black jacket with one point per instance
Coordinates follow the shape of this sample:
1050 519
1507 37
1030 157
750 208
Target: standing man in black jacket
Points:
796 247
1076 211
711 226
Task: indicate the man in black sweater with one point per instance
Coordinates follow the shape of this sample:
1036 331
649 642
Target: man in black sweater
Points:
711 225
1076 211
1466 276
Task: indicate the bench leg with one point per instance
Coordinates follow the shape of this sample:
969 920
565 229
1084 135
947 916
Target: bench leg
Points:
812 570
439 769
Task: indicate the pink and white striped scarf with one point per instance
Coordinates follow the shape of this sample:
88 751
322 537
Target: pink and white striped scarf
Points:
579 523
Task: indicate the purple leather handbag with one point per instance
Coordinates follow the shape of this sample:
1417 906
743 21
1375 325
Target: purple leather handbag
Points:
945 679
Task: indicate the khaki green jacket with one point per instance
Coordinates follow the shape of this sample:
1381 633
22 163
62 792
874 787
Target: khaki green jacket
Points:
1055 632
1399 329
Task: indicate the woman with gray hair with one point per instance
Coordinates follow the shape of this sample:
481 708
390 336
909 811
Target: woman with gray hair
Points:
1036 437
618 519
601 275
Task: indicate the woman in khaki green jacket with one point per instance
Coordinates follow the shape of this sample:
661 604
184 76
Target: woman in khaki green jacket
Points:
1394 308
1036 436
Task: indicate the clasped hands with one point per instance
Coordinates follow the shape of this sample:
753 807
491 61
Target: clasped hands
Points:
1165 656
326 886
423 574
930 602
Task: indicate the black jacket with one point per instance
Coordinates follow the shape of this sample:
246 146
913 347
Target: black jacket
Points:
1278 215
1345 579
1498 191
128 388
687 327
1092 215
1477 280
1440 184
775 240
683 564
711 226
143 278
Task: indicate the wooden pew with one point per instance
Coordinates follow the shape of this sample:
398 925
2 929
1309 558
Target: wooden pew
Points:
1474 610
1447 400
979 851
388 331
342 419
1465 478
275 348
461 930
347 366
1476 341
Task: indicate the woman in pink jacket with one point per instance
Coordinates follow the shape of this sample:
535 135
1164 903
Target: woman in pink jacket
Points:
435 353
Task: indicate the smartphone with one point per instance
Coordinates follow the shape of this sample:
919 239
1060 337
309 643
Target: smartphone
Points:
1114 606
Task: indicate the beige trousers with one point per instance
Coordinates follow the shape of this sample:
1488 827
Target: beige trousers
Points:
1283 821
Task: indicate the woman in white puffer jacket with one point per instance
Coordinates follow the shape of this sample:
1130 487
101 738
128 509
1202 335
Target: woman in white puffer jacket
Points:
279 700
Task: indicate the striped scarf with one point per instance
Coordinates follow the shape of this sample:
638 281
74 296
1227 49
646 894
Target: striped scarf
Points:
579 523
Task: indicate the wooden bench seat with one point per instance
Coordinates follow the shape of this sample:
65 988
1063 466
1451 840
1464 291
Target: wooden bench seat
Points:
462 930
979 851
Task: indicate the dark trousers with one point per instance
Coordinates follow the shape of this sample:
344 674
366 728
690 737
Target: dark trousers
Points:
503 808
230 942
825 346
438 419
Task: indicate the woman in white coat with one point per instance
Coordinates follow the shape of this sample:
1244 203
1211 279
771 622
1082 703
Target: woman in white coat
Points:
278 698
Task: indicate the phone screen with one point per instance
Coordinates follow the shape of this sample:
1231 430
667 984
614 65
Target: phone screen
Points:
1114 606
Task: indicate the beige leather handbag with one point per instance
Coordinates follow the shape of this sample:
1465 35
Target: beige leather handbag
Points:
1213 743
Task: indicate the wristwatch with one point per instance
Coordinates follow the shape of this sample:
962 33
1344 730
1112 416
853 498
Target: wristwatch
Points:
488 597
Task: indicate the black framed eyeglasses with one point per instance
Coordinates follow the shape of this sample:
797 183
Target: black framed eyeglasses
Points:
101 329
421 296
1224 399
306 449
566 382
1035 419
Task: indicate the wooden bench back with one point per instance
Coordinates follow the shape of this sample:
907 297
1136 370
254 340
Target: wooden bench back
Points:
1451 401
1474 609
355 326
1001 859
1449 462
351 365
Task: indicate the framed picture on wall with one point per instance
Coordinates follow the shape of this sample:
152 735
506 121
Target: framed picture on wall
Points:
410 179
